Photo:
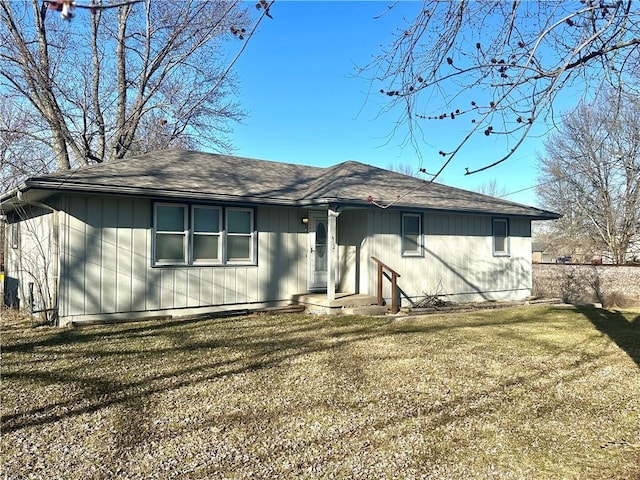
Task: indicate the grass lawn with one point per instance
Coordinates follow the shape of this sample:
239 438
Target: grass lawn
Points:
531 392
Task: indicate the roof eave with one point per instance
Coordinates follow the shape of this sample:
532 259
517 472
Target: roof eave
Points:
82 188
42 189
536 214
16 197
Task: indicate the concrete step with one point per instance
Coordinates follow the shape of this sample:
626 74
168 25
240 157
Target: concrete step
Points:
343 303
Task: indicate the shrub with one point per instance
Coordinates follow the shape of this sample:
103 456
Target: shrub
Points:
619 300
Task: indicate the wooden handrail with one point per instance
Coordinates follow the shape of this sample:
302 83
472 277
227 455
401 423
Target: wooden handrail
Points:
394 284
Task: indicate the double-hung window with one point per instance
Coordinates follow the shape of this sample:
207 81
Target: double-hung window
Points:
411 234
203 235
500 236
206 234
239 235
171 233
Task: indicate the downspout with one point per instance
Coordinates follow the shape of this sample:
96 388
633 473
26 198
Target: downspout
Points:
55 255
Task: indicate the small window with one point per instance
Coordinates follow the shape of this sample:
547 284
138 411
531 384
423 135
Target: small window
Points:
171 233
239 235
411 234
207 230
15 235
500 236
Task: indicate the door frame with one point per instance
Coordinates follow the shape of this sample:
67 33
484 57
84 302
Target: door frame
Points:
313 285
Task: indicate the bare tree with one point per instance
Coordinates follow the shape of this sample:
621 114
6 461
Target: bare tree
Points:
121 80
405 169
591 173
492 188
20 138
500 65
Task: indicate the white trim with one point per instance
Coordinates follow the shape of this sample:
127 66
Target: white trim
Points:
332 253
312 282
250 260
188 233
184 233
194 234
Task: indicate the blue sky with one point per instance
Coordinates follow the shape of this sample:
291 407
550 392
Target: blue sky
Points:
306 104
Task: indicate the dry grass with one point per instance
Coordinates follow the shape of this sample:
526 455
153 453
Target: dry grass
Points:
529 393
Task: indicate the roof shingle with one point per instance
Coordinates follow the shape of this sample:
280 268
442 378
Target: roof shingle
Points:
191 174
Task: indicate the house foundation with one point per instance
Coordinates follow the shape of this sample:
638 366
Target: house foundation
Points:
344 303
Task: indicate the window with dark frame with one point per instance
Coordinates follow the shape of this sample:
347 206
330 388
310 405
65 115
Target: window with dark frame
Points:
500 236
411 234
203 235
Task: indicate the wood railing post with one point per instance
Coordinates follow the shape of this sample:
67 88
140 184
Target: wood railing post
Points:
394 293
380 302
395 308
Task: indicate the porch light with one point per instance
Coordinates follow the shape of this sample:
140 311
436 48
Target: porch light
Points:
305 220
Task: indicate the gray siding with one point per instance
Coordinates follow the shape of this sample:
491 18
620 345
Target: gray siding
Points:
106 270
457 259
352 234
106 267
33 261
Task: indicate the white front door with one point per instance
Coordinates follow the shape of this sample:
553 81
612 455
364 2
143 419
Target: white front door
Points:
318 245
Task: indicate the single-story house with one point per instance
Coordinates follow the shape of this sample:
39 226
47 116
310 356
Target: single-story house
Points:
541 254
183 232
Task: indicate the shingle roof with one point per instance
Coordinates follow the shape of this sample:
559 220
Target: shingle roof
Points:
206 176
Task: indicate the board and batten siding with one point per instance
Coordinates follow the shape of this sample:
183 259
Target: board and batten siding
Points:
457 262
31 259
106 266
352 232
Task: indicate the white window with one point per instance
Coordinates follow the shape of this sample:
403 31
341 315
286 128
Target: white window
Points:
411 234
207 233
500 236
170 234
203 235
240 235
14 238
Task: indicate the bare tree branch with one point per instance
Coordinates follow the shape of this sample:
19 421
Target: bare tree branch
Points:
136 69
501 64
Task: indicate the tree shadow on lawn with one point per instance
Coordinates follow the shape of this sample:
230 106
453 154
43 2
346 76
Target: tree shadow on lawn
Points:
623 332
259 352
61 337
